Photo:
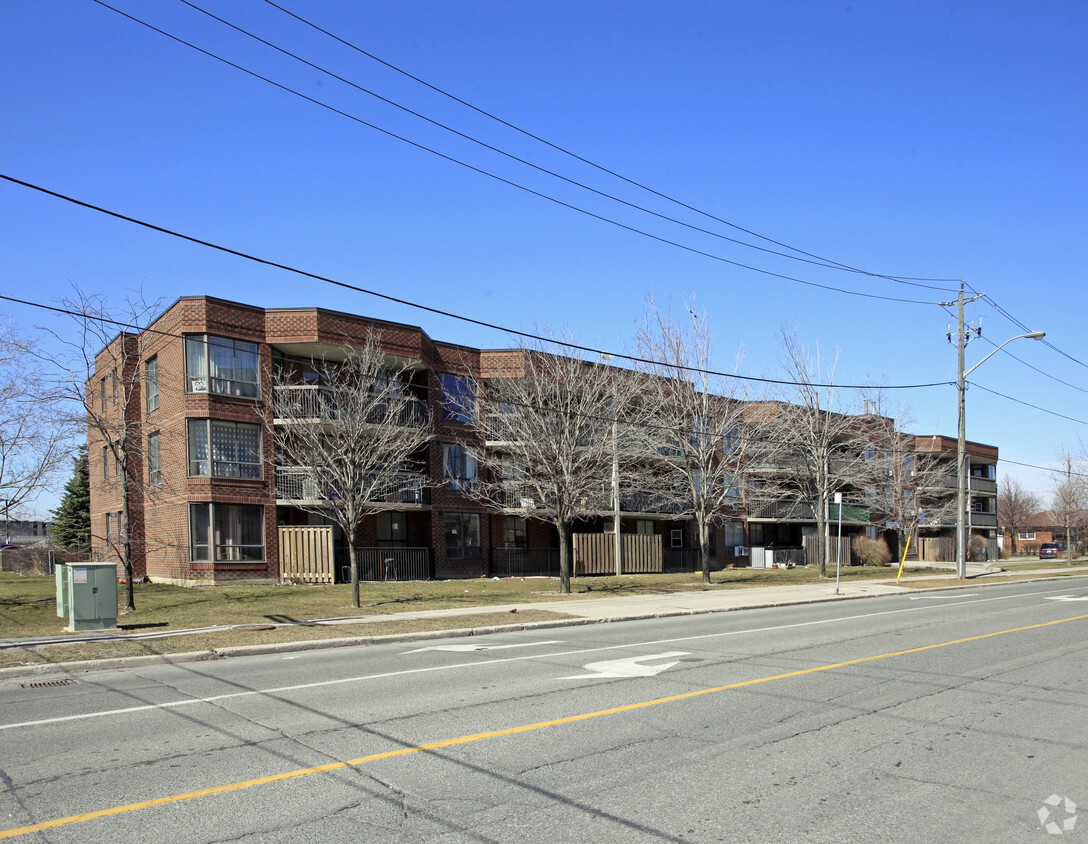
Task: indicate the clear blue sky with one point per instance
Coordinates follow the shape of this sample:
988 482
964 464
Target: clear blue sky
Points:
925 139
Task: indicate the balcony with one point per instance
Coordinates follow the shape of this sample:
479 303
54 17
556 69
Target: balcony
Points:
783 510
301 484
983 485
311 402
982 520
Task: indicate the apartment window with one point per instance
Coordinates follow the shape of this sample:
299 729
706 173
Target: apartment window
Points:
676 538
732 487
220 365
106 462
109 528
731 440
462 536
458 398
223 532
461 467
224 449
151 378
1026 536
644 527
102 384
755 531
734 535
154 459
515 532
391 530
113 381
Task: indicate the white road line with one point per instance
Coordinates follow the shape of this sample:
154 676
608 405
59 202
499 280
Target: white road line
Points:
487 662
470 648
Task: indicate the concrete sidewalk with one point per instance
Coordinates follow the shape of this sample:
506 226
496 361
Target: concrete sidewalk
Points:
583 609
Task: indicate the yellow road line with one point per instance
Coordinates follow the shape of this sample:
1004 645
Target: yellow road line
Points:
526 728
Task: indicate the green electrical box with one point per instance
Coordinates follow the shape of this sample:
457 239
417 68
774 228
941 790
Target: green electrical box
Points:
88 595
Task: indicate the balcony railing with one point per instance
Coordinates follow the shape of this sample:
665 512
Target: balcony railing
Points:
311 401
298 483
983 485
783 510
524 562
983 519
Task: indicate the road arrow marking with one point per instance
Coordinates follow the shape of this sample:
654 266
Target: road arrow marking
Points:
468 648
630 667
1067 597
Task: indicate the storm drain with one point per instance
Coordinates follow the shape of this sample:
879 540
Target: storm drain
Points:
48 684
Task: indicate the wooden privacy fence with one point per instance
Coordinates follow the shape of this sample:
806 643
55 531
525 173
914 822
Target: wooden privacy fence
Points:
937 549
306 553
595 553
812 554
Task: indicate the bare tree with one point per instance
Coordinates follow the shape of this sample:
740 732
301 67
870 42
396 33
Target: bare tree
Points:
909 487
1016 505
351 435
1069 496
104 378
695 422
35 433
824 446
548 420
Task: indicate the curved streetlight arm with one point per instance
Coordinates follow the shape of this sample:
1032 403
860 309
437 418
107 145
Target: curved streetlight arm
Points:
1031 335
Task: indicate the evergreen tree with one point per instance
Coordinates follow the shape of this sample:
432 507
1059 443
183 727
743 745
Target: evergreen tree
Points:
71 527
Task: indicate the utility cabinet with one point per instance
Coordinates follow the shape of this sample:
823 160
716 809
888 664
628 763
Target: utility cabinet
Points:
87 595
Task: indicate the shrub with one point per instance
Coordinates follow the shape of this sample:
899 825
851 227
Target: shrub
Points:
871 552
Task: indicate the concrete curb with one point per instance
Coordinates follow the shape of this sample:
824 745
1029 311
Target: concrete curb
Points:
113 663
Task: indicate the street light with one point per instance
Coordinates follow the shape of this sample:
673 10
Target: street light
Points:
961 442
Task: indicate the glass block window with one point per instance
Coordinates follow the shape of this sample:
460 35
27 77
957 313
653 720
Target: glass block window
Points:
221 449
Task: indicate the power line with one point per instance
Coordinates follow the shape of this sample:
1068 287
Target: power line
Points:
823 261
817 262
1028 404
509 182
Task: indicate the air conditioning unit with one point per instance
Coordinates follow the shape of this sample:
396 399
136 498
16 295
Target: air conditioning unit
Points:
740 551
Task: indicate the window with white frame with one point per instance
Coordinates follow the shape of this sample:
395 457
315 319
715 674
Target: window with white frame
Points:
1026 536
226 532
462 536
220 449
154 459
151 380
220 365
462 469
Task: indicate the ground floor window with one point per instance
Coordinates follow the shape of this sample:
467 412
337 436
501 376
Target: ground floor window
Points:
462 536
515 532
391 530
226 532
1026 535
644 527
734 535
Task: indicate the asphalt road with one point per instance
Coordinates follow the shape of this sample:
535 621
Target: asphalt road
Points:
947 716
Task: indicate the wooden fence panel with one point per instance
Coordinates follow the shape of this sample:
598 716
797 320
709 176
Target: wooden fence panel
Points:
306 553
595 553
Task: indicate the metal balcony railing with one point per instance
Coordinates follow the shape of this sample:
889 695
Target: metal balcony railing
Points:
309 402
298 483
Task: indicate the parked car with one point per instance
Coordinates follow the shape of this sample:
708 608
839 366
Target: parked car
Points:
1049 549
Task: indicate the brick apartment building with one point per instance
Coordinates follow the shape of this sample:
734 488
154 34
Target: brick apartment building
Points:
186 410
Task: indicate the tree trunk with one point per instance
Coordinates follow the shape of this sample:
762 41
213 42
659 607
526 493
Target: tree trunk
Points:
354 574
704 554
564 557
